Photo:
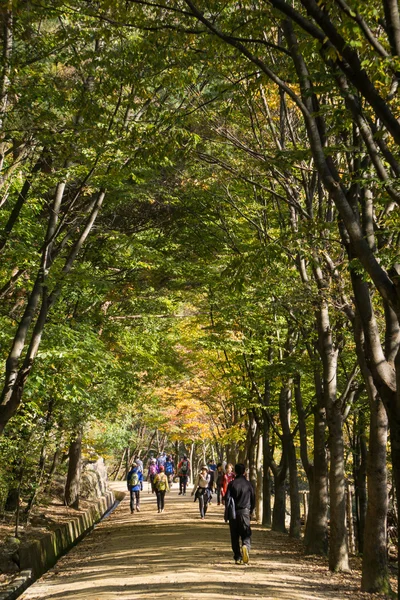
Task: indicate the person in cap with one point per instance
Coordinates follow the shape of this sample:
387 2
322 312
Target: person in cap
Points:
201 491
239 506
161 486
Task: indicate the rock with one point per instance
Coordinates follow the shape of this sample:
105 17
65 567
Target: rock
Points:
94 480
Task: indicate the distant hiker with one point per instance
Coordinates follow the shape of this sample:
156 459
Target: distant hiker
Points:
183 474
169 468
161 459
161 486
228 477
219 480
201 491
153 471
211 482
239 505
134 482
212 466
139 464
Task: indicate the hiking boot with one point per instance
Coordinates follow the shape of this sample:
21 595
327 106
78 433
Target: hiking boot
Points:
180 494
245 554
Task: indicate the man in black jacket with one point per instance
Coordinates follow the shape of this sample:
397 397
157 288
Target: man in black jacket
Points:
239 505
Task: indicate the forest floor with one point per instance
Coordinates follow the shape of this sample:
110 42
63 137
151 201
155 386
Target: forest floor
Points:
176 555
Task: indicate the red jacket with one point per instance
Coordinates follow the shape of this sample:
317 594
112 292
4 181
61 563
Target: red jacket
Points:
180 474
228 477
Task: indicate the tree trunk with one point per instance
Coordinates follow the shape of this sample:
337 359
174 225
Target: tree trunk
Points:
360 480
316 530
375 575
285 404
338 545
72 487
338 548
279 510
267 512
252 449
259 485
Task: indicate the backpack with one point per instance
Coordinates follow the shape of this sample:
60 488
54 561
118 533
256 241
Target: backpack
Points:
153 469
134 480
161 483
169 467
184 467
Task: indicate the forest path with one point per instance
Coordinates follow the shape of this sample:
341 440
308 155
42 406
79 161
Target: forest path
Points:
176 555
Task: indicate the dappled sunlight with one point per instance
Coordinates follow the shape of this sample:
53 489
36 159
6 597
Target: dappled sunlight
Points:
176 555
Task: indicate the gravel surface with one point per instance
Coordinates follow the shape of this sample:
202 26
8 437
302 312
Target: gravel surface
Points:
176 555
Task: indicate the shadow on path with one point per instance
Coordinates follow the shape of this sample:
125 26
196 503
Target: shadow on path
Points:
175 555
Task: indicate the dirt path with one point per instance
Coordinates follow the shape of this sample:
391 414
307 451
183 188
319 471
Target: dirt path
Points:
176 555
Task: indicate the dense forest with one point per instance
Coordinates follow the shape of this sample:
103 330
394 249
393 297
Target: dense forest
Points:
199 232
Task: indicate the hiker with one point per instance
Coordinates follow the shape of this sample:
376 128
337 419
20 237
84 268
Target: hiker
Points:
212 467
211 482
139 463
134 482
183 474
161 486
239 506
161 459
219 482
228 477
153 471
201 491
169 469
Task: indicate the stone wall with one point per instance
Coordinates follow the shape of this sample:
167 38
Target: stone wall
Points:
39 556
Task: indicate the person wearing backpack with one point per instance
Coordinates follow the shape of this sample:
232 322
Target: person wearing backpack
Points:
169 469
152 473
161 486
134 482
183 474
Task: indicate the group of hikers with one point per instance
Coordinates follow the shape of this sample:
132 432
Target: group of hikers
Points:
231 485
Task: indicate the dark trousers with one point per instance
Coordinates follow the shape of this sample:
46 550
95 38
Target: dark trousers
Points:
203 502
219 494
160 499
183 479
135 496
240 529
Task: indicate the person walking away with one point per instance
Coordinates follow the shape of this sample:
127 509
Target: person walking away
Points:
140 469
161 460
139 464
153 471
228 477
169 469
183 474
161 486
135 484
239 506
219 482
201 491
211 483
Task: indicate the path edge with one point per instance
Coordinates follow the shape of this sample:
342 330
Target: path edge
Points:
39 556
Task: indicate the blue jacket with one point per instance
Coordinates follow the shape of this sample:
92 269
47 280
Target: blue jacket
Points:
134 488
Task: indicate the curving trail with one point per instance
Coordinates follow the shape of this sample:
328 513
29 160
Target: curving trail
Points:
175 555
